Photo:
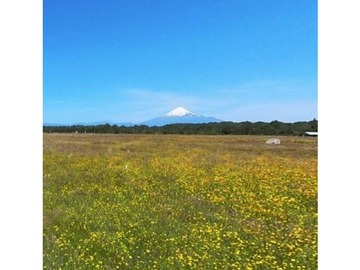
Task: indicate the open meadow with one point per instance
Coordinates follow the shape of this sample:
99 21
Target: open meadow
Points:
179 202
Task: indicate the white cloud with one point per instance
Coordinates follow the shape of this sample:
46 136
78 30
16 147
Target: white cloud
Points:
233 105
142 104
282 110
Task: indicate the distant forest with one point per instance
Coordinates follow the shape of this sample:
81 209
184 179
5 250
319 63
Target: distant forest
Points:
223 128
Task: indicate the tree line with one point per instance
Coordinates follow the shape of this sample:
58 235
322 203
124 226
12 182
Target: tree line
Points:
222 128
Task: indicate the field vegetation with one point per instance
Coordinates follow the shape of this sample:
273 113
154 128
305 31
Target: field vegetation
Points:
179 202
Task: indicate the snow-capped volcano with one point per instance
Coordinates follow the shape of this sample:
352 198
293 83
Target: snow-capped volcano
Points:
180 112
180 115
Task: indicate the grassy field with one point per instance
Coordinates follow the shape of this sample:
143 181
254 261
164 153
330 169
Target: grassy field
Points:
179 202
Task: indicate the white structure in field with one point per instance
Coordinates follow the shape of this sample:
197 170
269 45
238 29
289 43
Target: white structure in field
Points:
273 141
311 133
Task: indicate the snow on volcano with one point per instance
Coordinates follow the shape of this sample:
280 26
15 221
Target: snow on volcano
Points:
181 112
180 115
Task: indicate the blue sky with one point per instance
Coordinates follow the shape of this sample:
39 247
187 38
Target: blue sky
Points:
132 60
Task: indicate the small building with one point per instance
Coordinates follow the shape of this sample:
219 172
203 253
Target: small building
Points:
311 133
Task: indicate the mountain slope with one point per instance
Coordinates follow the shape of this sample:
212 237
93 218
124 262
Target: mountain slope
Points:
126 124
180 115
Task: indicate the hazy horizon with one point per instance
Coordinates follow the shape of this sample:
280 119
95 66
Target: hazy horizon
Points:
103 121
